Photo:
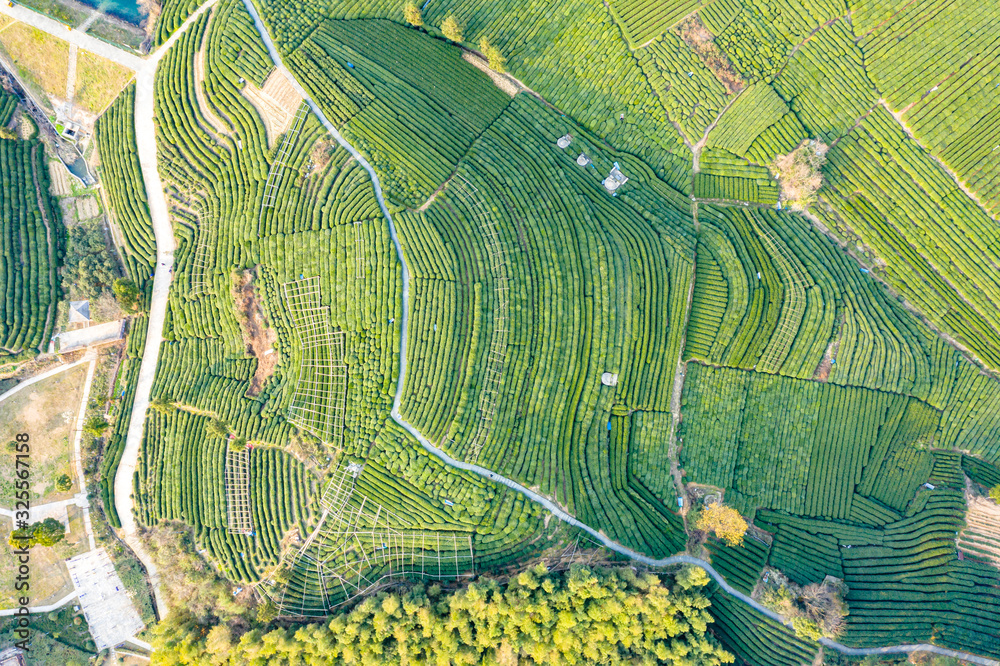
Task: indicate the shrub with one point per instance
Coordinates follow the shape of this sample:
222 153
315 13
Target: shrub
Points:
493 55
64 482
412 14
96 426
451 29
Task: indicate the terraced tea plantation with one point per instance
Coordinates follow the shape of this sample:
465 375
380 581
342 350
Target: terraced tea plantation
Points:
612 273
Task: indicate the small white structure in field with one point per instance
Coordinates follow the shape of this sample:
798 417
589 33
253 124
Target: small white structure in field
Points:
609 379
79 312
564 141
615 179
583 160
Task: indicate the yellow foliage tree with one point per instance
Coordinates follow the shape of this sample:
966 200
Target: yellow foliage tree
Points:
995 494
493 55
726 522
451 29
412 14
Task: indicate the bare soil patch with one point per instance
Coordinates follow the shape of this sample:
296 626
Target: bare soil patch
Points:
981 536
276 103
257 336
499 80
702 42
59 179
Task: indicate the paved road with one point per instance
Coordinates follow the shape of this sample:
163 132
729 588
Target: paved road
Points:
482 471
45 375
7 612
80 39
145 134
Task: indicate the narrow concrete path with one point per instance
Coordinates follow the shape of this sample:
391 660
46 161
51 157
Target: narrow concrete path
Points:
145 134
557 511
80 39
37 610
71 74
82 500
45 375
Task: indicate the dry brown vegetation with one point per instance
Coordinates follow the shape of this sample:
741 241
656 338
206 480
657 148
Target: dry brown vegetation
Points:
257 336
800 173
702 42
41 60
98 81
814 610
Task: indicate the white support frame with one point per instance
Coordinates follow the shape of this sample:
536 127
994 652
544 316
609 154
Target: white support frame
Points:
319 402
360 256
239 516
355 548
497 356
202 260
277 168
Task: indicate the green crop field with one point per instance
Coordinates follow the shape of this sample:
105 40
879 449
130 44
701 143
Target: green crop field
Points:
627 290
32 238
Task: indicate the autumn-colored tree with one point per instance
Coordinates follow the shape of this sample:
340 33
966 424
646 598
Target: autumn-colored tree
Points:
412 14
799 173
691 577
995 493
724 521
493 55
608 616
451 29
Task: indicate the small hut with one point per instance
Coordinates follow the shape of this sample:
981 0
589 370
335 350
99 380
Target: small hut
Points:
615 179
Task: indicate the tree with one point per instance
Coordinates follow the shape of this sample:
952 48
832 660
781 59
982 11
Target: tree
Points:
64 482
162 406
493 55
96 426
995 493
127 295
691 577
238 444
451 29
799 173
412 14
581 616
217 428
726 522
89 269
48 532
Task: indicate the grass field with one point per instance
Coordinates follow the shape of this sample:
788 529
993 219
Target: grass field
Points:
47 411
98 81
41 60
